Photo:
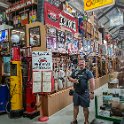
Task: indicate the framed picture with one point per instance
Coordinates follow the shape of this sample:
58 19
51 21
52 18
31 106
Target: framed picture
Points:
34 36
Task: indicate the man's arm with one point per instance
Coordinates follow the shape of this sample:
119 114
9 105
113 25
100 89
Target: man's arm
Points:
72 77
92 85
72 80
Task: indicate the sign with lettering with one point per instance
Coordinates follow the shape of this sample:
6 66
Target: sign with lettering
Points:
41 61
57 18
94 4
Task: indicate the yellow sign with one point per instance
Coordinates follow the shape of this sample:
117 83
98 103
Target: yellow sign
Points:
94 4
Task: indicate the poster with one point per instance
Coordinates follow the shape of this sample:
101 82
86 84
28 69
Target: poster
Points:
88 46
46 87
41 61
75 46
94 4
51 42
47 76
51 38
51 31
60 39
37 78
68 41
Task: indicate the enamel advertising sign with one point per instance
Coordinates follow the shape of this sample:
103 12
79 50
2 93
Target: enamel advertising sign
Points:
57 18
96 4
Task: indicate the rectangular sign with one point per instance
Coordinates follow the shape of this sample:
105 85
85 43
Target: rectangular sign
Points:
94 4
57 18
41 61
37 79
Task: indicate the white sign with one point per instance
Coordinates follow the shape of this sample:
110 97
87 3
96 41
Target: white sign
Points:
46 86
47 76
37 78
41 61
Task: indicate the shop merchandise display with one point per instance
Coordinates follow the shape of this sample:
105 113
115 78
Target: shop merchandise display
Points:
48 54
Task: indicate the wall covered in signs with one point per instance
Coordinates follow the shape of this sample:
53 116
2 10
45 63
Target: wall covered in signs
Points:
61 41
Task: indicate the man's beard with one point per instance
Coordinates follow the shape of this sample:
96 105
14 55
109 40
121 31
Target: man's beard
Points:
81 68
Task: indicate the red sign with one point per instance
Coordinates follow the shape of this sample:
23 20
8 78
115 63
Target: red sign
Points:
55 17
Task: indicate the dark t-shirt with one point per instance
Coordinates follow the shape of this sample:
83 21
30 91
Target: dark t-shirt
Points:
83 76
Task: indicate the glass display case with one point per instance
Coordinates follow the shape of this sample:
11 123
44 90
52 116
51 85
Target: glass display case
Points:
109 105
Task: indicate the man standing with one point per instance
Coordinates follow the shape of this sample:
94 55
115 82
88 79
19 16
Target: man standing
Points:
83 91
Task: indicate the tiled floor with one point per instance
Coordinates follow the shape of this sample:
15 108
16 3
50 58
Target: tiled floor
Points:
64 116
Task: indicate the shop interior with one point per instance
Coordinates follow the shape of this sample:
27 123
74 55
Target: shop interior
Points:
40 44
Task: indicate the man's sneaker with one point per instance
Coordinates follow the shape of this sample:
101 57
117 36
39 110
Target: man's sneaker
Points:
74 122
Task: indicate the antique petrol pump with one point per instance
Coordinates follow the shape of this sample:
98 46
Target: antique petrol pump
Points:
30 109
16 97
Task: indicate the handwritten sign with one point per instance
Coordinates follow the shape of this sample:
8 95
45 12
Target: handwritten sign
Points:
41 61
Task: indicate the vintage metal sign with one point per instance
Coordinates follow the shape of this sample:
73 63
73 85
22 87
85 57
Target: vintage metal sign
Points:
94 4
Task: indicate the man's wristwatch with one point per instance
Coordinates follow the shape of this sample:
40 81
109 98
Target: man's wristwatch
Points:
91 92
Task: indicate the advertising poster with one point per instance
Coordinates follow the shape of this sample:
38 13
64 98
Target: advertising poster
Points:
51 31
51 42
60 39
51 38
75 46
69 41
87 46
